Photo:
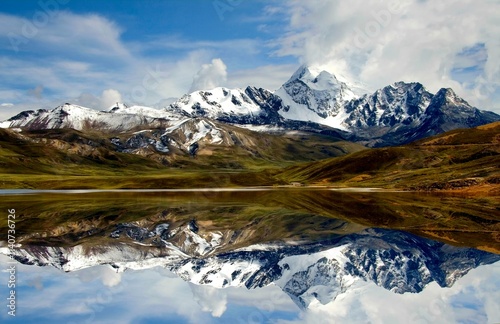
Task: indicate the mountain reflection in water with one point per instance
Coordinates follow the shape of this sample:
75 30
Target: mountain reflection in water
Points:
319 247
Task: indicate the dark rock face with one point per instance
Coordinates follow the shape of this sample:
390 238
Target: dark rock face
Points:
447 111
401 103
193 149
406 112
134 232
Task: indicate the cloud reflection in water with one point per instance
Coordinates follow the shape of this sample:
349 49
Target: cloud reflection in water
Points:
100 295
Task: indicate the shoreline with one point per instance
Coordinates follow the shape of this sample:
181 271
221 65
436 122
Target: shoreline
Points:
476 190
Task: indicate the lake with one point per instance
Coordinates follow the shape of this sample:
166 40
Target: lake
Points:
254 255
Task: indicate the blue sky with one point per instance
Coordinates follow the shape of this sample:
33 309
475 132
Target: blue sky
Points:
147 52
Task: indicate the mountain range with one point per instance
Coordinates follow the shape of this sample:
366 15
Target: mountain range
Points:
253 136
311 100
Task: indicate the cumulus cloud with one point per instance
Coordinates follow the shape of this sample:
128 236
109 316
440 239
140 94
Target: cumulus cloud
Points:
107 99
210 299
380 42
110 97
108 276
210 76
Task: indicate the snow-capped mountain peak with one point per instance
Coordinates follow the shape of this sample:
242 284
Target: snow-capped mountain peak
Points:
245 106
315 95
316 75
216 102
446 96
399 103
121 108
305 72
80 118
75 109
117 106
317 79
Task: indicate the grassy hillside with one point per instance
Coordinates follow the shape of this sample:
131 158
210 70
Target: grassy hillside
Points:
466 159
65 158
454 160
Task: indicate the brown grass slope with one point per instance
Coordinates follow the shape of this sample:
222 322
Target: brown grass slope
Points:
66 158
62 151
458 159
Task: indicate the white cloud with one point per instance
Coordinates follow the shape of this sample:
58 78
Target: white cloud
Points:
86 35
154 80
106 274
210 76
210 299
380 42
110 97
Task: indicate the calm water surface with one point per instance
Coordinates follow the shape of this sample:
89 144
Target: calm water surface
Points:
250 256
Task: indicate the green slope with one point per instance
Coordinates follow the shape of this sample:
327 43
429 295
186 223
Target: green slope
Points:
456 159
65 158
